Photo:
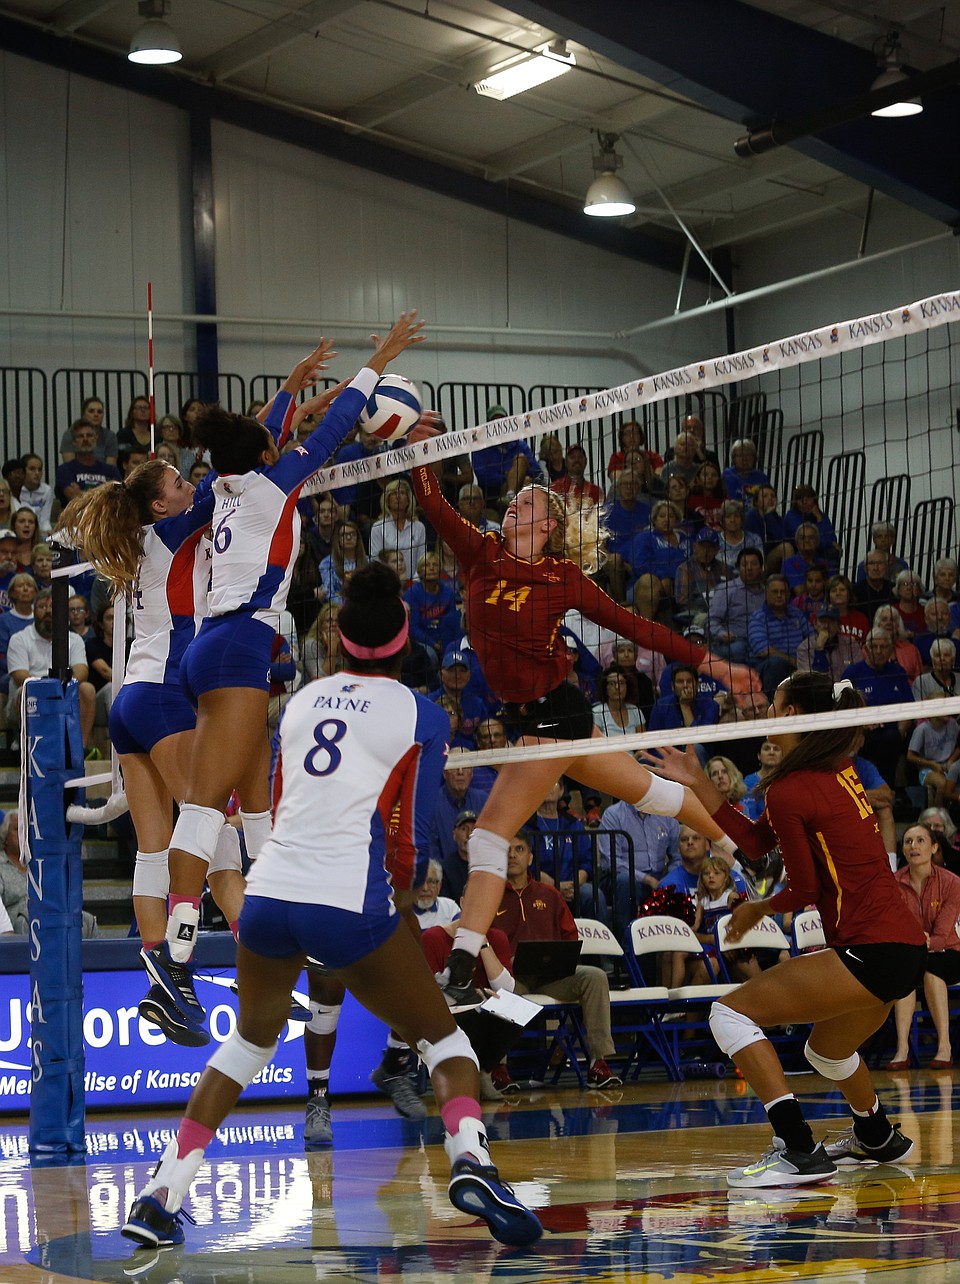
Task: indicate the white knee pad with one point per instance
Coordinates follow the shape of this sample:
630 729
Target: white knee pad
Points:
663 798
830 1069
241 1061
197 830
454 1045
151 875
732 1030
324 1019
227 856
488 853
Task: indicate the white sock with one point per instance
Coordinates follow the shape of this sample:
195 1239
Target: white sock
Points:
467 940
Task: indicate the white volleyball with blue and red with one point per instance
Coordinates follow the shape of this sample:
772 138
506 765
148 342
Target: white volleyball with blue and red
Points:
393 408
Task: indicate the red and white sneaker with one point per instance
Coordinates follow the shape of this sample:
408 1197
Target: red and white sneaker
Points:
601 1076
503 1080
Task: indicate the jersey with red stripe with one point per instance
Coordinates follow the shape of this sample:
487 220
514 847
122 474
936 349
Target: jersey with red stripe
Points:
514 608
256 526
360 767
833 855
169 598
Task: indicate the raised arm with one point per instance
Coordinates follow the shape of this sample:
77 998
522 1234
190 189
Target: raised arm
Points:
465 540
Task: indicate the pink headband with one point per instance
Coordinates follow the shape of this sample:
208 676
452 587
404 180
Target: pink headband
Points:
378 652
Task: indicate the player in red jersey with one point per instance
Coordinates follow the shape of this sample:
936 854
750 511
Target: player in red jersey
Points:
519 583
817 812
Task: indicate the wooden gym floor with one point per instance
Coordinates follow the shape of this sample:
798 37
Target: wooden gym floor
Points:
629 1185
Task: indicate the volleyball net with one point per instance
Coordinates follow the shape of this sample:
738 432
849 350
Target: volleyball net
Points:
862 411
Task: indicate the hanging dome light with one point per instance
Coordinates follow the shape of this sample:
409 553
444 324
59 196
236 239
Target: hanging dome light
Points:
155 43
608 195
891 75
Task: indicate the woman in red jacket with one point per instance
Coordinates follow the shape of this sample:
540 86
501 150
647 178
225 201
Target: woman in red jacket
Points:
817 812
932 894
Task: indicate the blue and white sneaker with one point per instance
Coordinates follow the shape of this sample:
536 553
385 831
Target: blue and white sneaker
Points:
176 980
148 1223
477 1189
159 1009
778 1166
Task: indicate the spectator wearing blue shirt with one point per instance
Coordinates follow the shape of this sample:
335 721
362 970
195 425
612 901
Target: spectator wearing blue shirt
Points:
456 796
653 840
731 606
23 593
764 520
503 468
734 536
775 632
655 557
882 681
697 577
454 676
883 535
807 557
434 618
804 507
743 478
623 518
347 554
564 854
769 755
879 796
490 734
693 848
685 707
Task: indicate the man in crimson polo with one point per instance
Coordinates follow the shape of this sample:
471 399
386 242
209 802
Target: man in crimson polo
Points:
532 911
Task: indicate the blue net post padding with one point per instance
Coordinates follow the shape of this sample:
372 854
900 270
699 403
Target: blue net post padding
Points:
53 754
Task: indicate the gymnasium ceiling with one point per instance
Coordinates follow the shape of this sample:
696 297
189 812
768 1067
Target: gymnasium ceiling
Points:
387 84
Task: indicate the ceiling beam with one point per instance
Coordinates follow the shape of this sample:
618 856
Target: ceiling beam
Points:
75 13
318 135
754 66
274 36
415 91
789 210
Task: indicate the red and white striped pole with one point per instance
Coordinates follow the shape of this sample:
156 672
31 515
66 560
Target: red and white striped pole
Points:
153 415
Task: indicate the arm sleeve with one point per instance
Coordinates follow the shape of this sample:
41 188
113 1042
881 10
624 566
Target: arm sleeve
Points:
293 469
280 417
754 837
943 934
465 540
803 884
585 596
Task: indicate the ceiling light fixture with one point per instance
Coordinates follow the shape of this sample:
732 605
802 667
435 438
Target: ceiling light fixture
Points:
890 51
608 195
155 43
526 71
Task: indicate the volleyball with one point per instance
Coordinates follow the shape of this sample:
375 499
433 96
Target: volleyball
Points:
393 408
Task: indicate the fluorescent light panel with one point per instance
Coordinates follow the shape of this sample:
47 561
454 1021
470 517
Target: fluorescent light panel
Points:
526 72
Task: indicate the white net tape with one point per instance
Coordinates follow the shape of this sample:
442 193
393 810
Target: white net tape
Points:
779 354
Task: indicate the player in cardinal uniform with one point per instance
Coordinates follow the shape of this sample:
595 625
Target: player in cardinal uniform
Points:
818 814
329 884
519 583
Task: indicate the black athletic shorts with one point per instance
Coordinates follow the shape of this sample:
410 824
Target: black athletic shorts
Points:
888 971
945 964
562 714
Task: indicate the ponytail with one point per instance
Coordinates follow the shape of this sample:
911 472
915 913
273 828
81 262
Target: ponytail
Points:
818 750
106 524
578 533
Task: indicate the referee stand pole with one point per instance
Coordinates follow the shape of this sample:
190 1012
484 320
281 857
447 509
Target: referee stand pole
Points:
52 754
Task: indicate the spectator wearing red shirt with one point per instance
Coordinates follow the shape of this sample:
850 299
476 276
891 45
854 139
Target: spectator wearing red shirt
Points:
932 895
574 482
532 911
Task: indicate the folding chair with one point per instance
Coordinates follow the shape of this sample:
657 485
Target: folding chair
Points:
806 932
660 935
767 935
633 1011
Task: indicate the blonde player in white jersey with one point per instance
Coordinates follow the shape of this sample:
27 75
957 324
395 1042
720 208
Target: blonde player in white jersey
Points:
145 536
365 754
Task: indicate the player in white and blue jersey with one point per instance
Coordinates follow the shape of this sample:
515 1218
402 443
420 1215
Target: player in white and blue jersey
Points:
225 669
367 755
146 536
